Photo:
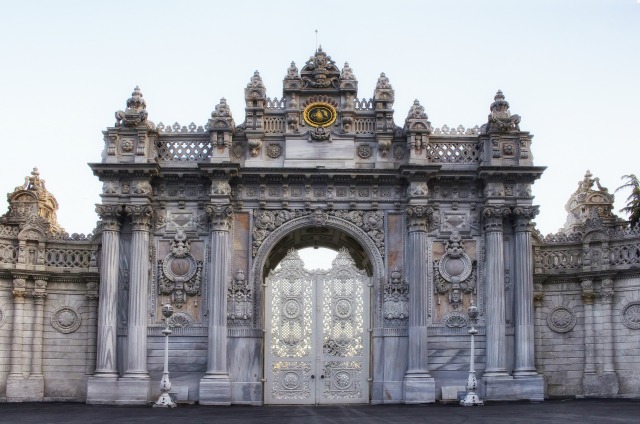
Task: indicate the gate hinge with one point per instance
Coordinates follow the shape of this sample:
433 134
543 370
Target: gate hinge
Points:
369 330
264 330
369 380
263 380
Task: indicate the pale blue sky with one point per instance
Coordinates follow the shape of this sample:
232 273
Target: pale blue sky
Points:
569 68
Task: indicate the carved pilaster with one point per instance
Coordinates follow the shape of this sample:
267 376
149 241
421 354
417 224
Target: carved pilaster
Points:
17 355
39 295
588 296
606 296
92 318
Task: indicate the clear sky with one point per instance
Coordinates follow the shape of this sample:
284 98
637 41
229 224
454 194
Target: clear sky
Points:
570 68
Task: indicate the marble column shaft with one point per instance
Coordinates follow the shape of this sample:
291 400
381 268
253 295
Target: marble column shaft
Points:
107 314
524 327
39 295
418 302
17 337
138 292
495 296
220 216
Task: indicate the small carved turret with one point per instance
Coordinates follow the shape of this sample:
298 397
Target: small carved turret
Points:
256 97
292 80
32 202
221 125
136 112
500 118
417 128
383 98
348 81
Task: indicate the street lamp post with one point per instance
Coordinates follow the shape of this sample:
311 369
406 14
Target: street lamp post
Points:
164 401
471 398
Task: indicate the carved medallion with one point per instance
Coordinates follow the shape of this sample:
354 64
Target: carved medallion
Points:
274 151
66 320
364 151
320 114
631 315
561 319
179 273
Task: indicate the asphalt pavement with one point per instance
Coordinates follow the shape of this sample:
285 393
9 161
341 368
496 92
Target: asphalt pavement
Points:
552 411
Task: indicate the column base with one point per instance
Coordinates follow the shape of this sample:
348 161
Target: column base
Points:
118 391
602 386
419 389
25 389
509 388
215 390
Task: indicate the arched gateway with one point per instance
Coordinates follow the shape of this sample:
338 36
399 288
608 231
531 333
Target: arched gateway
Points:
429 221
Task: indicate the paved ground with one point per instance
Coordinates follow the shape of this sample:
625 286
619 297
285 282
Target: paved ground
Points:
555 411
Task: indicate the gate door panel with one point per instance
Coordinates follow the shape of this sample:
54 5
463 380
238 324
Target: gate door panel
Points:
317 341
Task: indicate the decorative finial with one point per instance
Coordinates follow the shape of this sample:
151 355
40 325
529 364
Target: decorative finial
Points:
501 118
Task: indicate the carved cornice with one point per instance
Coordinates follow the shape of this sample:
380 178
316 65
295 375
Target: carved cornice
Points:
220 216
141 216
418 217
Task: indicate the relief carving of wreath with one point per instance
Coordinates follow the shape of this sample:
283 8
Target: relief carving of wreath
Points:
631 315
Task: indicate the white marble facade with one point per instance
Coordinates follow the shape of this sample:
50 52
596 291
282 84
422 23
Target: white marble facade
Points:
199 217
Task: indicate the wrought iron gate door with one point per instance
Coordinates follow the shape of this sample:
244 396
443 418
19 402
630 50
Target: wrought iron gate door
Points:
317 339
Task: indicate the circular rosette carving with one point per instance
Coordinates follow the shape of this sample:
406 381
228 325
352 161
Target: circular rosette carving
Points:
630 315
561 319
66 320
274 151
343 308
365 151
455 269
342 380
179 269
291 380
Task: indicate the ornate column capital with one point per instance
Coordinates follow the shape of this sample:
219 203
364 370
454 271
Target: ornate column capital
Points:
606 291
418 217
110 216
92 291
19 288
141 216
523 216
588 295
40 290
494 216
220 216
538 295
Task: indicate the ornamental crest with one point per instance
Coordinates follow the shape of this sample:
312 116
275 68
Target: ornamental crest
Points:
455 272
179 273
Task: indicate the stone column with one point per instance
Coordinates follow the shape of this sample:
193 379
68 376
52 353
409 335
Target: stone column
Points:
108 314
524 327
215 386
496 365
18 373
138 291
419 386
92 320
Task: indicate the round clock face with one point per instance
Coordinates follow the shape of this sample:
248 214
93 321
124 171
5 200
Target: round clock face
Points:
320 114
